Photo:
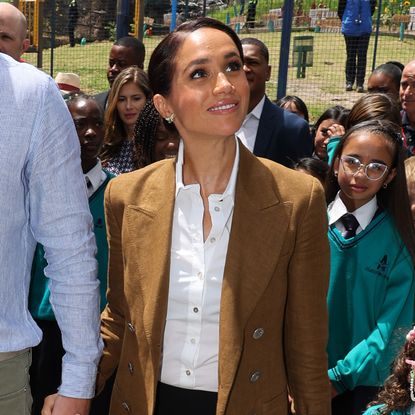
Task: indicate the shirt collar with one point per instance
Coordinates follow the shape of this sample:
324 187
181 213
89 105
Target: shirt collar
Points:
364 214
256 111
230 188
94 175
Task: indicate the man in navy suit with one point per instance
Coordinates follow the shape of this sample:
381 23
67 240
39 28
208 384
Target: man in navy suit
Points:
268 130
125 52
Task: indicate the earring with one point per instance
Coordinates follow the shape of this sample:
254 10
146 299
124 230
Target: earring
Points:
170 118
336 174
411 385
385 185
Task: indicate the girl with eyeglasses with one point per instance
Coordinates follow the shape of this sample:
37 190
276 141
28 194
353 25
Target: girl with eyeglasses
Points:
371 291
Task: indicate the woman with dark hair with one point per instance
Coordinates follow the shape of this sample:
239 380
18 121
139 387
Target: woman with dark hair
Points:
218 260
154 138
127 97
295 105
330 123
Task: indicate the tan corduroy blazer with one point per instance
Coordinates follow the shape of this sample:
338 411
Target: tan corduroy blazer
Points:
273 322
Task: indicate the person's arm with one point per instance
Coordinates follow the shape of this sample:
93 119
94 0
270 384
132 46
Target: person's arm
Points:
305 332
113 321
60 220
340 9
367 363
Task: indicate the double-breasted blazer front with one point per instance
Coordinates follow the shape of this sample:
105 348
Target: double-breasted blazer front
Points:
273 322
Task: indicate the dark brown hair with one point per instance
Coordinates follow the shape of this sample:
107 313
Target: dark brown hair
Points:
395 393
161 67
394 198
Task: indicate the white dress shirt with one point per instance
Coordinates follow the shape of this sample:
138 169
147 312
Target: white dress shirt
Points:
44 200
248 131
364 214
191 336
94 178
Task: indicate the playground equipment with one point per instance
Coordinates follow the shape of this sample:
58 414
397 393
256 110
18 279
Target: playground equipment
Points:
32 9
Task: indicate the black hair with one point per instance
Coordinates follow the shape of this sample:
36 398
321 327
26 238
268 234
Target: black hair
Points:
162 62
74 97
256 42
398 64
135 44
394 198
337 113
316 167
390 70
297 101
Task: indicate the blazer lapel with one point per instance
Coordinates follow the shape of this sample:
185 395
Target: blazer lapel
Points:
150 227
259 224
265 131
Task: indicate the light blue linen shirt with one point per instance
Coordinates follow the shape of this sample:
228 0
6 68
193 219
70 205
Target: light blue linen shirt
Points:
43 198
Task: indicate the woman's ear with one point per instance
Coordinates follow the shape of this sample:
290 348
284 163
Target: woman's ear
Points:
162 106
390 177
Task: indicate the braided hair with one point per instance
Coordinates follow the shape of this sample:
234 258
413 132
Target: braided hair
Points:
145 134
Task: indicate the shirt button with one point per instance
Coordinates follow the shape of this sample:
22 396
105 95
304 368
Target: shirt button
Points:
217 208
188 372
195 310
193 341
200 275
212 240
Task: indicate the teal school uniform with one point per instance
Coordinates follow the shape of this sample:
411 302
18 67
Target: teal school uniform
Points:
370 303
376 410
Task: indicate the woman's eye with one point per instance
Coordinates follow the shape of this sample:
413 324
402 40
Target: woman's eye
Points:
198 73
234 66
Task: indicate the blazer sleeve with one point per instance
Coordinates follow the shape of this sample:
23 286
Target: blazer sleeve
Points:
368 363
112 318
305 332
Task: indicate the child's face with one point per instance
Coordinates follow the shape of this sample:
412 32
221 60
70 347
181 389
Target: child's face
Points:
357 189
166 145
322 138
89 126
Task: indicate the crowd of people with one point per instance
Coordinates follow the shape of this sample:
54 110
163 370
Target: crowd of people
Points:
181 244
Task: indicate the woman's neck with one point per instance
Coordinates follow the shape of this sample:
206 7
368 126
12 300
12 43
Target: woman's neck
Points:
209 163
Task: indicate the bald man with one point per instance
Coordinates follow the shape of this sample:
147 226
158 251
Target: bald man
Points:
407 96
13 31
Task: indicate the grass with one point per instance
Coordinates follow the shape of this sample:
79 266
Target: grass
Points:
322 87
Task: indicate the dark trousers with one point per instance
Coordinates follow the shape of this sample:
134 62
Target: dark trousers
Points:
71 32
353 402
46 371
181 401
356 49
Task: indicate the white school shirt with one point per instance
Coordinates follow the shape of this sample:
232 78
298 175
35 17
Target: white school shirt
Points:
249 128
364 214
96 176
191 335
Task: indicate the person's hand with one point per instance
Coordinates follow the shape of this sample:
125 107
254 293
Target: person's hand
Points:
335 130
62 405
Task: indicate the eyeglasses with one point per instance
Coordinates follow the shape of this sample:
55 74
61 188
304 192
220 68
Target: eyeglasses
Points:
373 171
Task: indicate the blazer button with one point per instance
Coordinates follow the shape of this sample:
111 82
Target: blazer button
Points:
258 333
131 327
255 376
130 368
125 406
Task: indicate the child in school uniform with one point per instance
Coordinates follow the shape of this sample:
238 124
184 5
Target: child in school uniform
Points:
371 291
45 375
397 397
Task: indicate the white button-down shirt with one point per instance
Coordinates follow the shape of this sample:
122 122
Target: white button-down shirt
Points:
96 176
248 131
191 336
364 214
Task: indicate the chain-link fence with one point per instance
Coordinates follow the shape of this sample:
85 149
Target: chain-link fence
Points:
317 48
